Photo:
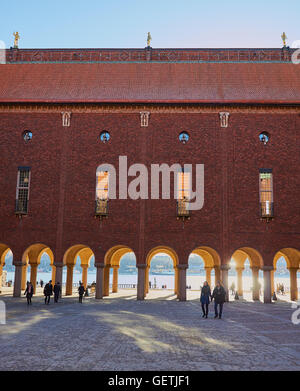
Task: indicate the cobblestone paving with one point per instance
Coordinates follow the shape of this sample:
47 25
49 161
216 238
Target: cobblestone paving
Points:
120 333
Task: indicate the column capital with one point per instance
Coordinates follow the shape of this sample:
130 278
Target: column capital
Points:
115 266
182 267
225 267
208 267
238 269
141 265
255 268
293 268
84 266
58 264
70 266
99 265
19 263
267 268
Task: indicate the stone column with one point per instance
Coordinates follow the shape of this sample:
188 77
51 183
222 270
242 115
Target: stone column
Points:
293 283
106 280
69 284
53 274
217 274
1 269
224 271
208 274
176 281
115 279
267 284
255 283
58 273
141 281
239 271
182 282
99 280
84 275
18 279
24 277
272 281
33 276
147 272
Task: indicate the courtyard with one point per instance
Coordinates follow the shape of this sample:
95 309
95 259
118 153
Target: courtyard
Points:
160 333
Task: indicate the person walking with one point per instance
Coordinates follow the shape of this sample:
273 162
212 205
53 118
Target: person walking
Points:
204 298
29 292
57 292
42 283
48 291
219 294
81 291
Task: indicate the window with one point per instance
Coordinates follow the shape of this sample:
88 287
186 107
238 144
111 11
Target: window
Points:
22 194
184 137
266 192
183 193
27 136
104 136
264 137
102 193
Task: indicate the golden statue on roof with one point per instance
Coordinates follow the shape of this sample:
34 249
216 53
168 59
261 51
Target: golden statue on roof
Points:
284 38
17 37
149 39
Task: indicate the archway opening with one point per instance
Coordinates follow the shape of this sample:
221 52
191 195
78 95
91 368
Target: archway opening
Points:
245 280
78 260
161 277
284 279
6 269
120 270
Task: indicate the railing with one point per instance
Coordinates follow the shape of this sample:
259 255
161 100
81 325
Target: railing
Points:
125 286
267 210
21 207
101 207
183 208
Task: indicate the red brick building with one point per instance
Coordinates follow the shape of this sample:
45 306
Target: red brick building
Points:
241 111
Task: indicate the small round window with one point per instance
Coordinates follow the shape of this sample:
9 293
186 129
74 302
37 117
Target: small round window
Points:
184 137
264 137
27 136
104 136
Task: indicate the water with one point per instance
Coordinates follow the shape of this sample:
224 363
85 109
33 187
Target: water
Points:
195 281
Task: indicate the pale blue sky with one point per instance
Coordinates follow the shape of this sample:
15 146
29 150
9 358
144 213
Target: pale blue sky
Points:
172 23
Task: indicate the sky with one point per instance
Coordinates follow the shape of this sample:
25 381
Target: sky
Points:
172 23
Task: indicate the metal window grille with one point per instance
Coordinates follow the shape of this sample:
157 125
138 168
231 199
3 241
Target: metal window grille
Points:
266 194
102 193
183 196
22 193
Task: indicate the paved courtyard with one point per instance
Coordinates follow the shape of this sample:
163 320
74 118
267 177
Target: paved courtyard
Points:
120 333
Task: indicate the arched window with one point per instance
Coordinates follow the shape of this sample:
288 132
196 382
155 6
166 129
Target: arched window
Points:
183 193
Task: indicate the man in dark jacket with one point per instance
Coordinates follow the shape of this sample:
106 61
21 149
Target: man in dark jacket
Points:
57 292
81 291
48 291
219 294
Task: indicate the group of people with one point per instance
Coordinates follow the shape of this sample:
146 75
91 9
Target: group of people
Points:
218 295
49 290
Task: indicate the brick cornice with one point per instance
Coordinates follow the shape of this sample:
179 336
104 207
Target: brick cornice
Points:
152 108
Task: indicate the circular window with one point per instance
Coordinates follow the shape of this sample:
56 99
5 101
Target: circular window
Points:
264 137
184 137
27 136
104 136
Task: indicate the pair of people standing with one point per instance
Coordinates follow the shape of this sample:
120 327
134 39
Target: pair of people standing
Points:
219 295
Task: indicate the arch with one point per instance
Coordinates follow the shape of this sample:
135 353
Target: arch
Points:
240 255
292 258
112 259
291 255
70 257
210 256
162 249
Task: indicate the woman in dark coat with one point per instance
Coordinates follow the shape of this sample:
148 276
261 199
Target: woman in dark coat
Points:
205 298
219 294
29 292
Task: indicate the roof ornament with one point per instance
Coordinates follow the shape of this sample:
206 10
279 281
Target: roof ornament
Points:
149 39
17 38
284 38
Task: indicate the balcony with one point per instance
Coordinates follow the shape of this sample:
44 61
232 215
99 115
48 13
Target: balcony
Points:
21 207
183 209
101 208
267 210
